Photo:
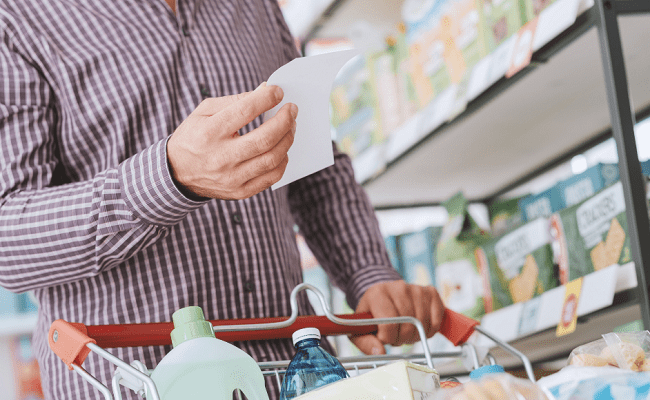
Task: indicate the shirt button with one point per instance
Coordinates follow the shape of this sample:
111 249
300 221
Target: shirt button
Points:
186 32
249 287
204 92
236 218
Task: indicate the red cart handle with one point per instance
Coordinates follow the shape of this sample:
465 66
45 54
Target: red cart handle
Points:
72 339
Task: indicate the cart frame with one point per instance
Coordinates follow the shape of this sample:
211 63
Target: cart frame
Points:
72 342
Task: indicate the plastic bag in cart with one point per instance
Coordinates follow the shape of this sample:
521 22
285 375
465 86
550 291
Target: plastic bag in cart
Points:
597 383
626 350
495 387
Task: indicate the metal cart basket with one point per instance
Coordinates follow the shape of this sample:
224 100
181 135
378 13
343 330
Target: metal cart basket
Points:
72 342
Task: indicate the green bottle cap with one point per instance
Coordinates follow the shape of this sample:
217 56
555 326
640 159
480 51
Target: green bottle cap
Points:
189 323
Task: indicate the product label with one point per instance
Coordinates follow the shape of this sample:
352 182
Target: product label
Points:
423 384
579 191
539 208
512 249
595 214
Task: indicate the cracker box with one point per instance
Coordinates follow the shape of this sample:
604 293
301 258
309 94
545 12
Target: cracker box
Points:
582 186
531 9
541 205
457 278
591 235
499 19
517 266
417 256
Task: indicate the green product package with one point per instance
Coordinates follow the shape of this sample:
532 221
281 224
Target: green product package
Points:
457 277
505 215
498 19
517 266
591 235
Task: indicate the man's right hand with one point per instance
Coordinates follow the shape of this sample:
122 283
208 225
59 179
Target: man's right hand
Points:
208 157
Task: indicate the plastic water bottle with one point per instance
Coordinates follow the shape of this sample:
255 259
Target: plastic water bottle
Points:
311 368
202 367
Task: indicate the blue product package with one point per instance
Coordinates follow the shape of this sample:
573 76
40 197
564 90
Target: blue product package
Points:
645 168
27 304
582 186
628 386
391 246
8 303
417 256
542 204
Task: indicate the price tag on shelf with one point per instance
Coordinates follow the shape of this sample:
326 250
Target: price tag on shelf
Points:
529 314
523 52
569 315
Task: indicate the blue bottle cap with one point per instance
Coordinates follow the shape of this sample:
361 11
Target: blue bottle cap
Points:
486 370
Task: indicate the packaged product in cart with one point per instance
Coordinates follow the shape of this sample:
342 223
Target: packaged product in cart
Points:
597 383
591 235
457 278
494 387
203 367
625 350
311 367
400 380
517 266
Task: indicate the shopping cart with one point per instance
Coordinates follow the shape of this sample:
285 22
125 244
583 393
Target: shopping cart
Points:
73 342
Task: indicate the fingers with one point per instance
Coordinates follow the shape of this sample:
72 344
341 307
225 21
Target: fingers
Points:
248 107
393 299
265 181
368 344
265 138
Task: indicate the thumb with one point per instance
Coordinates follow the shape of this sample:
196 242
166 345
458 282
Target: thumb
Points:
369 344
213 105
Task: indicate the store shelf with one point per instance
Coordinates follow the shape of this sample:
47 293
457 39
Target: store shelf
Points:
17 324
599 311
519 125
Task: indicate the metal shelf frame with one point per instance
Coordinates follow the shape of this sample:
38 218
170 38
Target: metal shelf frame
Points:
623 120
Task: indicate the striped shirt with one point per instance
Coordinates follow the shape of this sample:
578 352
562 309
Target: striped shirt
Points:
90 218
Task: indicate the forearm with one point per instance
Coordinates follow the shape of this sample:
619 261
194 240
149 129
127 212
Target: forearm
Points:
339 225
62 234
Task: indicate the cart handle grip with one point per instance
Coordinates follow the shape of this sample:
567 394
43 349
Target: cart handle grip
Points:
455 327
69 342
158 334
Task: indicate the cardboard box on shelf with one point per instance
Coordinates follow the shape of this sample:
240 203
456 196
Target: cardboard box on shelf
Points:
505 215
591 235
499 19
586 184
354 108
530 9
444 42
457 277
518 265
417 256
542 204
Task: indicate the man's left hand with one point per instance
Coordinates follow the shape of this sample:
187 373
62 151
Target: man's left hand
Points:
399 299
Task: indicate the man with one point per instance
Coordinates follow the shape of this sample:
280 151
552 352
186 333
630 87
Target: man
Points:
111 220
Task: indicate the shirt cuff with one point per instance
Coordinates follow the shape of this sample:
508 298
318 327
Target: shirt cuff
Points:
363 279
149 190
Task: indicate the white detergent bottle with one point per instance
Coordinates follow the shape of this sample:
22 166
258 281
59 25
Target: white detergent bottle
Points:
202 367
